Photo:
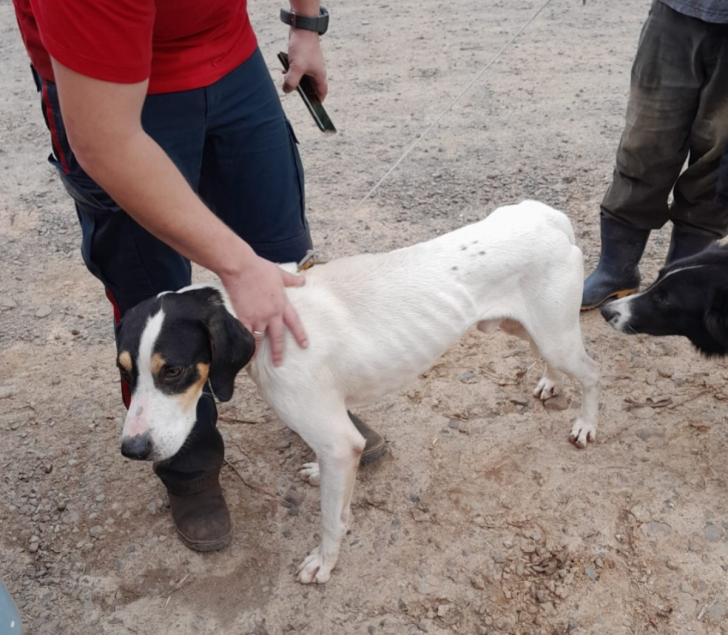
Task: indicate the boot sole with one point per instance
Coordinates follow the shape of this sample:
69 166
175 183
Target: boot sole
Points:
205 546
617 295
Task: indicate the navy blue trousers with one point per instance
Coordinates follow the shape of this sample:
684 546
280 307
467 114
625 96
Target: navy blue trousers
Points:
234 145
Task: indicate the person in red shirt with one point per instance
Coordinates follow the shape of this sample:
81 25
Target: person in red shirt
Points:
169 135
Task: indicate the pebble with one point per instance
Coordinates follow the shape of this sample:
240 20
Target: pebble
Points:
713 533
468 378
659 528
100 498
5 392
520 400
7 303
573 626
647 433
591 573
559 402
294 496
72 462
453 423
152 508
33 547
717 612
43 312
95 530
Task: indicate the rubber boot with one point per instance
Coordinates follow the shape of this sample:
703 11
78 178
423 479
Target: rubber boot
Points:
685 243
617 274
375 446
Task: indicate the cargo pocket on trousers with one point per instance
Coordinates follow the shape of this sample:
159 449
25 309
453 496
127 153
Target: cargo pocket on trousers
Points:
298 166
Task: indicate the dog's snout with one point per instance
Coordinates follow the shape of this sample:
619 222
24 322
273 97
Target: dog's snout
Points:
138 447
609 312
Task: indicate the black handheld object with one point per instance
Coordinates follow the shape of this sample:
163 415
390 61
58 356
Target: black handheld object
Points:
313 103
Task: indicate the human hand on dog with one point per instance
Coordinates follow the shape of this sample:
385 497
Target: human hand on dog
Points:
258 295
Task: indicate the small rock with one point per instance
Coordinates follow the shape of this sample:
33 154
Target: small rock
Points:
717 612
100 498
293 510
5 392
7 303
95 530
442 610
558 402
72 462
659 528
43 312
131 548
294 496
713 533
48 468
591 573
520 400
477 583
648 433
573 626
152 508
33 547
468 378
453 423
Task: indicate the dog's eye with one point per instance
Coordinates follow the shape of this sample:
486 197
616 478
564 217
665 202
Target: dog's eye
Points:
171 373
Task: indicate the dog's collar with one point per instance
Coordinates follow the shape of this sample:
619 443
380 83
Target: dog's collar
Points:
310 263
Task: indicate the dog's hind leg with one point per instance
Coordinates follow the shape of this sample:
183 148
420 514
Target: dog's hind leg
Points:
325 426
564 351
550 384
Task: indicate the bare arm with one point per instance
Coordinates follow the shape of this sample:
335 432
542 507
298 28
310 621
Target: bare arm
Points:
103 122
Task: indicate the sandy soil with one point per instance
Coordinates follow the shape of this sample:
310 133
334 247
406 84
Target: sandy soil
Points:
482 518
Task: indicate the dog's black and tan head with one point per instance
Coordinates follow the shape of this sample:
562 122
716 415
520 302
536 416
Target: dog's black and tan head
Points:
689 298
168 347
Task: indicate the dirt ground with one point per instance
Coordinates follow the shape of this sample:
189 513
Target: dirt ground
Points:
482 519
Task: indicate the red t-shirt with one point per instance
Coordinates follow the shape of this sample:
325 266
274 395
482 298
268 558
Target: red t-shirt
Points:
177 44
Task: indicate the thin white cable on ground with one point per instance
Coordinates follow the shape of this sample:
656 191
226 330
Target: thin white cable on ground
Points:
416 142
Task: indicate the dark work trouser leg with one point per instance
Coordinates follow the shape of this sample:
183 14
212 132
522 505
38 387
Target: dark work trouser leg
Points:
670 114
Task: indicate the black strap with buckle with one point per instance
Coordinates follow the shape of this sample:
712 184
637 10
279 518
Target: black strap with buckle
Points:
318 24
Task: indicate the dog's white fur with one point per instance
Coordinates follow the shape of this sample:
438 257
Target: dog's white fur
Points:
375 322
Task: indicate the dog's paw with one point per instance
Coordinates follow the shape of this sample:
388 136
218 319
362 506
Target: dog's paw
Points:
313 569
546 388
310 473
582 433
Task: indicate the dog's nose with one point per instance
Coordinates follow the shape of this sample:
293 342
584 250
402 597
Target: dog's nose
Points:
138 447
608 312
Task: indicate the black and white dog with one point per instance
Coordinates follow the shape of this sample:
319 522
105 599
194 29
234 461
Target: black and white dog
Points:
374 323
689 298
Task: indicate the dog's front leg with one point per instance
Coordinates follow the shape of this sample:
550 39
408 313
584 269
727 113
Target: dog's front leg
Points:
338 474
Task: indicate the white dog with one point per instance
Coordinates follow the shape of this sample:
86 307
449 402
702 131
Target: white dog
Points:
374 323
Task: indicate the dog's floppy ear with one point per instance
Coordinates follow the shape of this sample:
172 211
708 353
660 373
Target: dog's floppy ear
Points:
232 346
716 319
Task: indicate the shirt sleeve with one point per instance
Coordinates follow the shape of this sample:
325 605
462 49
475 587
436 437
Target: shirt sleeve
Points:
110 40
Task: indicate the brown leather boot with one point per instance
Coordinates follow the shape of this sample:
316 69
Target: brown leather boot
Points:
202 520
376 445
